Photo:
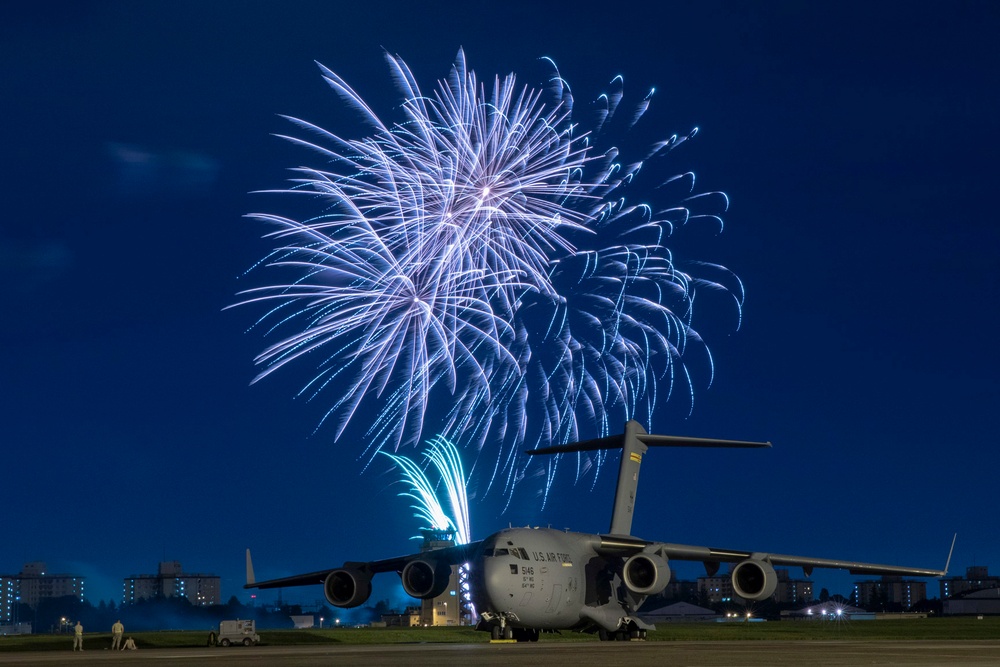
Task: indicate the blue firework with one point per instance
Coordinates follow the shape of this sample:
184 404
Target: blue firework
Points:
485 252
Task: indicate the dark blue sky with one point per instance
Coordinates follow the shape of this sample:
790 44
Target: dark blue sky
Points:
857 143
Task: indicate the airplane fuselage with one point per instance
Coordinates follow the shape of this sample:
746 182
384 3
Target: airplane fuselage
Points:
546 579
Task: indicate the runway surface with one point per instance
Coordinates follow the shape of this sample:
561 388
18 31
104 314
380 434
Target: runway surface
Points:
562 654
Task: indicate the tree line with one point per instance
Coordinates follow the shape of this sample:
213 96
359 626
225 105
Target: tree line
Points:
60 614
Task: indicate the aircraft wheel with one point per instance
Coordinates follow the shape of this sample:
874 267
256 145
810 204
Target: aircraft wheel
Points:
508 632
495 632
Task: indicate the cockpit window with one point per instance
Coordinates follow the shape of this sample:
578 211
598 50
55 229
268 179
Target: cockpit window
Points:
517 552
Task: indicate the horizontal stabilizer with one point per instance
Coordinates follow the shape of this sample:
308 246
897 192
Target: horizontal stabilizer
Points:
633 443
618 441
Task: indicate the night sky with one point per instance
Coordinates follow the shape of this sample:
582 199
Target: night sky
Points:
857 142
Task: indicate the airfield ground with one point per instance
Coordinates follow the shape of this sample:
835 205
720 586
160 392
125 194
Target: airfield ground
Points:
822 653
918 642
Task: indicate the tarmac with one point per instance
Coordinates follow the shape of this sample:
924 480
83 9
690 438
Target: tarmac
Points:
930 653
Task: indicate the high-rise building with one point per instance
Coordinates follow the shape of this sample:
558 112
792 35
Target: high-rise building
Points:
976 578
791 590
716 589
171 581
35 584
891 590
8 598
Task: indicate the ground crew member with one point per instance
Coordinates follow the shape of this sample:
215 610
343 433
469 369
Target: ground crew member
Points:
117 630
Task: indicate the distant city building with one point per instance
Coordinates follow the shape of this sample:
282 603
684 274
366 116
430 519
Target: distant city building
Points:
719 588
676 590
171 581
408 619
35 583
892 590
715 590
791 590
977 578
8 598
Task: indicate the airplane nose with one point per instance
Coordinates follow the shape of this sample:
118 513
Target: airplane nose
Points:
494 585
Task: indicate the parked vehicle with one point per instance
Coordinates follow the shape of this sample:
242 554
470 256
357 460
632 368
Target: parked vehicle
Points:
238 632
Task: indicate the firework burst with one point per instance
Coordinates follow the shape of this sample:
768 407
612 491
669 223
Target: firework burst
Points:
482 252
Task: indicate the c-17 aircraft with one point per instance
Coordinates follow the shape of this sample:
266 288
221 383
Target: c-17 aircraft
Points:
528 580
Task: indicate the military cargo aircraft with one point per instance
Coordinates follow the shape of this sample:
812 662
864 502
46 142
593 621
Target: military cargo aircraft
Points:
528 580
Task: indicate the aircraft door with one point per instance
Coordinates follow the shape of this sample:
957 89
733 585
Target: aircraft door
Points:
554 600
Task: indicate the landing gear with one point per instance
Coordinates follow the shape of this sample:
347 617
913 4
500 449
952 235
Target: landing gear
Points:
632 634
507 632
526 634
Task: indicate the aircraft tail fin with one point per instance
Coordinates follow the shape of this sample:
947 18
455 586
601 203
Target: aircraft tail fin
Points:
634 442
251 580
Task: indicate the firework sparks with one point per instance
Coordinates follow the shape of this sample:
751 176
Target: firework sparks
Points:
445 458
484 253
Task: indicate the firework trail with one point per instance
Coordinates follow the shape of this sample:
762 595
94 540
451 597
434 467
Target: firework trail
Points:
482 252
445 458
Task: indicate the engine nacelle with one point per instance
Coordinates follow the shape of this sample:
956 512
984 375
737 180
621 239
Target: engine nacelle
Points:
754 579
347 587
425 579
646 573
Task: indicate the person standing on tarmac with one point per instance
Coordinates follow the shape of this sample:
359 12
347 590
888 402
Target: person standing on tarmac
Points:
117 630
78 636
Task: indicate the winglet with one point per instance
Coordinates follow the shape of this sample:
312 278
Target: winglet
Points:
950 552
250 578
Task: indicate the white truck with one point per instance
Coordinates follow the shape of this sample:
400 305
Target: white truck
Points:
238 632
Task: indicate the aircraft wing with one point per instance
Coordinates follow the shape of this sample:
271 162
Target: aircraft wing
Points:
451 555
711 557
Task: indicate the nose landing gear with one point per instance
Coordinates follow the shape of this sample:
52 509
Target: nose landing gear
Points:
505 632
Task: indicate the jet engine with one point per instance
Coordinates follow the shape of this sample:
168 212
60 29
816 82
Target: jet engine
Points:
754 579
425 579
347 587
646 573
